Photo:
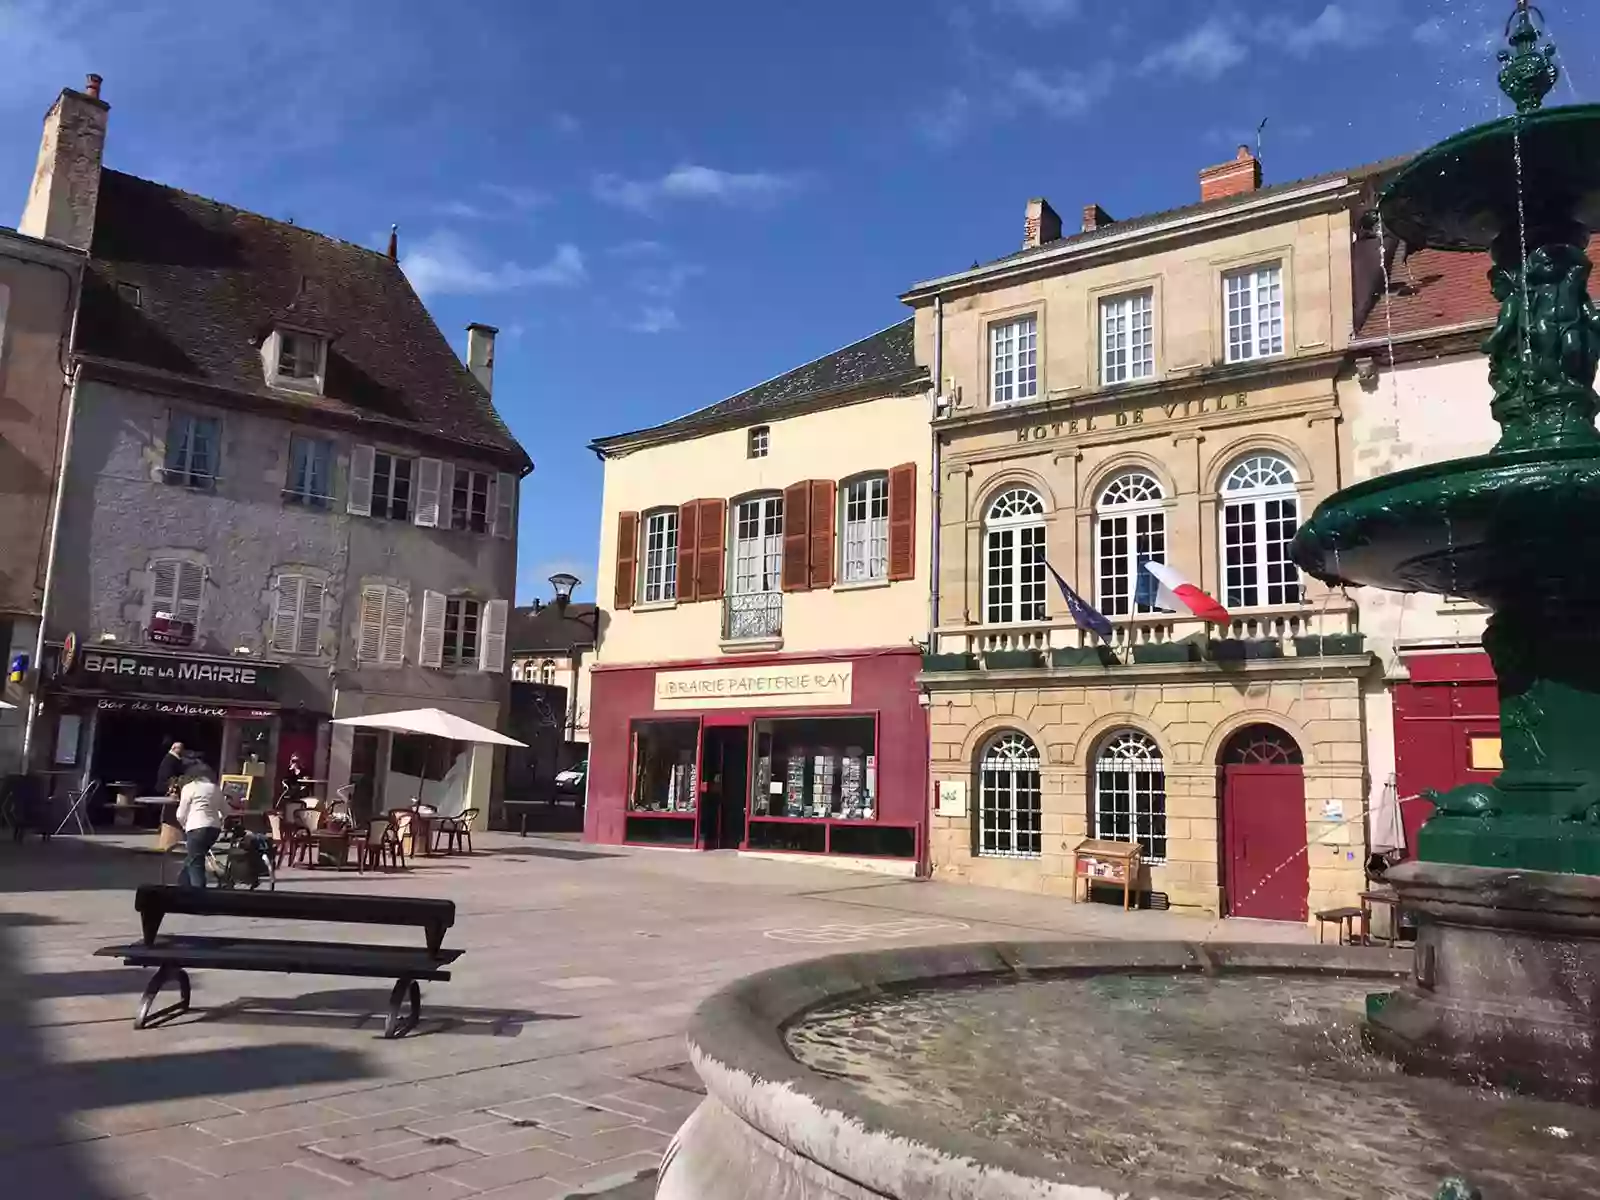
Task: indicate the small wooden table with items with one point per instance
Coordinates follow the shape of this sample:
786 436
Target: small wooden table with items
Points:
1098 861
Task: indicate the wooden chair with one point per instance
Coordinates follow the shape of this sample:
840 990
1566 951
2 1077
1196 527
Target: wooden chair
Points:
455 831
381 837
291 841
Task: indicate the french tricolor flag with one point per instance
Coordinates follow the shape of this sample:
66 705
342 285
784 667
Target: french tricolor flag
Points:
1159 586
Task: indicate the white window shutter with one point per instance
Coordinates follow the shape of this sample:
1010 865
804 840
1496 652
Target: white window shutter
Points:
369 641
313 594
505 504
359 502
492 636
447 495
392 650
164 586
191 590
428 504
430 651
286 614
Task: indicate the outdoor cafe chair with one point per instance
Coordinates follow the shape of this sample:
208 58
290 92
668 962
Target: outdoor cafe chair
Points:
78 807
381 837
290 840
455 831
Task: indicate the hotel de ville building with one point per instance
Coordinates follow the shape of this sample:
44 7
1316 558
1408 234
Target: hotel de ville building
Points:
1160 388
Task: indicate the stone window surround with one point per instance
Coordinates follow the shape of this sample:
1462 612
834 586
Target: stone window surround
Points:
272 348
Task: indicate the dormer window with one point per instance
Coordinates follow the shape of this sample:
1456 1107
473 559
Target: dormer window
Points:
296 359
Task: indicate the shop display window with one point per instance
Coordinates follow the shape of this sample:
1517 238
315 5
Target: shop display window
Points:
818 769
665 776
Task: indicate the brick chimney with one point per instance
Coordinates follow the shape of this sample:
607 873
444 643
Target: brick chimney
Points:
66 181
480 354
1041 226
1095 217
1234 178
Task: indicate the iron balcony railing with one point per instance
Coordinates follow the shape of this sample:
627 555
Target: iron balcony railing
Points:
752 616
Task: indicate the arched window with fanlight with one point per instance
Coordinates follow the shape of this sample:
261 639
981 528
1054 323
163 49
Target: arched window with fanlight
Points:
1009 797
1130 793
1130 529
1013 558
1260 511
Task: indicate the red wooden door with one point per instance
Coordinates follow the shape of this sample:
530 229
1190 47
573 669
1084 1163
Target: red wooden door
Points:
1267 874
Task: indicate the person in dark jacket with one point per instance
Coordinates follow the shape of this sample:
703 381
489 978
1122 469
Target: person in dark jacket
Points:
171 768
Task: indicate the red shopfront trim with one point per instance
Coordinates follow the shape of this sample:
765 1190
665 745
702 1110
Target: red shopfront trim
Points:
884 688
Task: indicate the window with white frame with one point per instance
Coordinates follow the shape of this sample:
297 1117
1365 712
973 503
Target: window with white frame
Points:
391 486
516 672
661 556
759 440
1127 338
193 448
1130 529
1253 300
299 355
1009 798
866 530
297 615
461 619
310 477
1130 793
1014 360
758 545
1260 512
469 501
547 671
1013 559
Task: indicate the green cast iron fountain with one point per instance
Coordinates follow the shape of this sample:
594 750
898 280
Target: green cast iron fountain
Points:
1506 879
1517 529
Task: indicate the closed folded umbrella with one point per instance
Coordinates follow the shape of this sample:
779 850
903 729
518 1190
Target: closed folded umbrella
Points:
1386 831
3 704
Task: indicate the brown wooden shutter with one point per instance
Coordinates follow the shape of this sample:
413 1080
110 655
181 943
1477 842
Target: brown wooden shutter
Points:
903 521
796 538
627 558
710 568
824 503
688 544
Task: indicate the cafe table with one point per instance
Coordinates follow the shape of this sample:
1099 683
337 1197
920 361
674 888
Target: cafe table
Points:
168 834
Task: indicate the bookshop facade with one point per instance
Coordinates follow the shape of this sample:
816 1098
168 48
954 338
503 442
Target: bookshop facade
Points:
815 754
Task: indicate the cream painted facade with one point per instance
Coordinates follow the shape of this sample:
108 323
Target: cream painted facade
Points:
1181 432
865 436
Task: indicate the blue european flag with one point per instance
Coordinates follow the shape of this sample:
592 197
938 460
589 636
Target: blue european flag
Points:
1085 614
1146 588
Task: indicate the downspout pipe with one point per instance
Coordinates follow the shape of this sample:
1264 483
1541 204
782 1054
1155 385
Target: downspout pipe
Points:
925 866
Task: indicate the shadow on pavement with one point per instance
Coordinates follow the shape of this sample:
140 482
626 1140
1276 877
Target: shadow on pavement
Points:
547 852
72 864
357 1008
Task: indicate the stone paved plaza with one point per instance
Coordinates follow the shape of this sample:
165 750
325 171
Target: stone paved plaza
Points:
552 1065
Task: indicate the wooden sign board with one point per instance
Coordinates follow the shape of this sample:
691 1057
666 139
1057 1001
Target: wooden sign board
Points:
235 791
1097 860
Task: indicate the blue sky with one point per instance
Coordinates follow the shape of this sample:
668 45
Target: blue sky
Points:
662 204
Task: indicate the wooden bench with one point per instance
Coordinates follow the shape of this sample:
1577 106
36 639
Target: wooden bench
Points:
171 954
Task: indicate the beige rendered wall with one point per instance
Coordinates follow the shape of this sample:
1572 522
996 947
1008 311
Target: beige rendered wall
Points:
838 443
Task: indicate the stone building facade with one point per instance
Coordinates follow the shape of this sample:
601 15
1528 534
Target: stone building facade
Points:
1162 389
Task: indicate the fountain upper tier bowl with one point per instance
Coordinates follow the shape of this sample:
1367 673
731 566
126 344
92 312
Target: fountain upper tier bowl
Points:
1496 528
1524 174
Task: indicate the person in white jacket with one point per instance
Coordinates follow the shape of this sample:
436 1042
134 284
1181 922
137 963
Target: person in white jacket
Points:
200 814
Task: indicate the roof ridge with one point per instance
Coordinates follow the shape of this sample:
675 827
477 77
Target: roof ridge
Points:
250 212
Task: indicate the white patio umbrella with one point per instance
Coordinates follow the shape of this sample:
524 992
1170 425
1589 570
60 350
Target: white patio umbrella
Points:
3 704
434 723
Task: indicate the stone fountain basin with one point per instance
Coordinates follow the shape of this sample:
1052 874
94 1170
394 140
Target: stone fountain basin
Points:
1501 528
771 1127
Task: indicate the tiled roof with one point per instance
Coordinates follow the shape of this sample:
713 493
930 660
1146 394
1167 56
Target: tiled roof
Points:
885 359
1435 290
545 628
215 280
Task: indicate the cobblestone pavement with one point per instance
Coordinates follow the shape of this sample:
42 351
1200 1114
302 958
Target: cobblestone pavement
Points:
552 1065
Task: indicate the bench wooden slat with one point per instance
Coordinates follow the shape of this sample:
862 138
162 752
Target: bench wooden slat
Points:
311 958
153 902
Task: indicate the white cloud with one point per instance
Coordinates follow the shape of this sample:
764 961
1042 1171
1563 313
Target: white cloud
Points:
948 120
444 264
1349 25
1065 93
516 196
1040 12
655 318
1431 32
1204 53
665 282
565 123
690 182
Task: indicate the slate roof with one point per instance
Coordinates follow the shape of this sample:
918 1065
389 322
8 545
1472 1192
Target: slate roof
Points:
1438 289
215 280
544 628
886 359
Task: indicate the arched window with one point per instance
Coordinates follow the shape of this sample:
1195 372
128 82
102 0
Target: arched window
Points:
1130 793
547 671
1008 798
1261 746
1130 529
1260 511
1013 558
516 672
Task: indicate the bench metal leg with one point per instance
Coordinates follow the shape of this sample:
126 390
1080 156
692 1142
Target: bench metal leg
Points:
161 976
404 990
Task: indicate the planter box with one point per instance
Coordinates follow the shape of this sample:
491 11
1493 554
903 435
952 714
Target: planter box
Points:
1012 660
1330 644
1166 652
949 662
1085 656
1240 649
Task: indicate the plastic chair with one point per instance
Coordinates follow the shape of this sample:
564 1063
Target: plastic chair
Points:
290 839
381 837
455 831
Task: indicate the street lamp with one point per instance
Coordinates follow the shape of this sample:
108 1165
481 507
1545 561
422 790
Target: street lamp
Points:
564 584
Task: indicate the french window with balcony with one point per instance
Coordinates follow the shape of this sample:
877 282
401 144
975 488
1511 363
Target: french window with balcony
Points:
1130 530
1260 512
755 605
1013 560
